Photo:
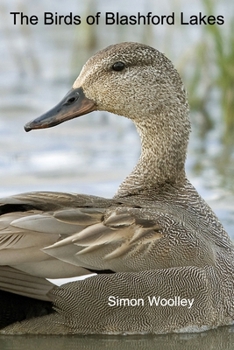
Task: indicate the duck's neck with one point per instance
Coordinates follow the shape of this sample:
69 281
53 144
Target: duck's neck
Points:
163 153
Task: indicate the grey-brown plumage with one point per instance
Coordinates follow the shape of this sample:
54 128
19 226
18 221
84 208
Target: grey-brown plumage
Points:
156 237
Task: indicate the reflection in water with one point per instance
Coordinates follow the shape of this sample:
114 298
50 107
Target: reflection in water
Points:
219 339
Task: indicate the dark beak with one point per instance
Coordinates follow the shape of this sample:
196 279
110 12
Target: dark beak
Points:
73 105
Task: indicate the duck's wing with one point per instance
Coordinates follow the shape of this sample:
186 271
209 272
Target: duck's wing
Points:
28 224
18 282
131 238
119 240
55 235
36 226
62 235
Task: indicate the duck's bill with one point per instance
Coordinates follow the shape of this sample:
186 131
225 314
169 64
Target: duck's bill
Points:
74 104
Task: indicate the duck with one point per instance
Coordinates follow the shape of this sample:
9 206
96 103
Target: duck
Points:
155 257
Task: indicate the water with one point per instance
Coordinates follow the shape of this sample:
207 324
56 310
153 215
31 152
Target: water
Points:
220 339
93 154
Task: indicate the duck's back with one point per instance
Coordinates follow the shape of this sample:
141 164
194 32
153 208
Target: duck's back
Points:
166 244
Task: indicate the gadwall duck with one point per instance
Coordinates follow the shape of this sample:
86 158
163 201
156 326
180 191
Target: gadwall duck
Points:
163 261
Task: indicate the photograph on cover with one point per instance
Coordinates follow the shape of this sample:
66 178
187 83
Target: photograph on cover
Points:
116 181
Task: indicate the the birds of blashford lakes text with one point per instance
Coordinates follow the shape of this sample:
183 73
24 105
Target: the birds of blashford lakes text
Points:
153 301
116 18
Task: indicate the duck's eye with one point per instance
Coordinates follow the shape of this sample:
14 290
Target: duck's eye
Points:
71 99
118 66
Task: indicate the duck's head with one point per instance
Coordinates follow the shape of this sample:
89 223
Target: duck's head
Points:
140 83
129 79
